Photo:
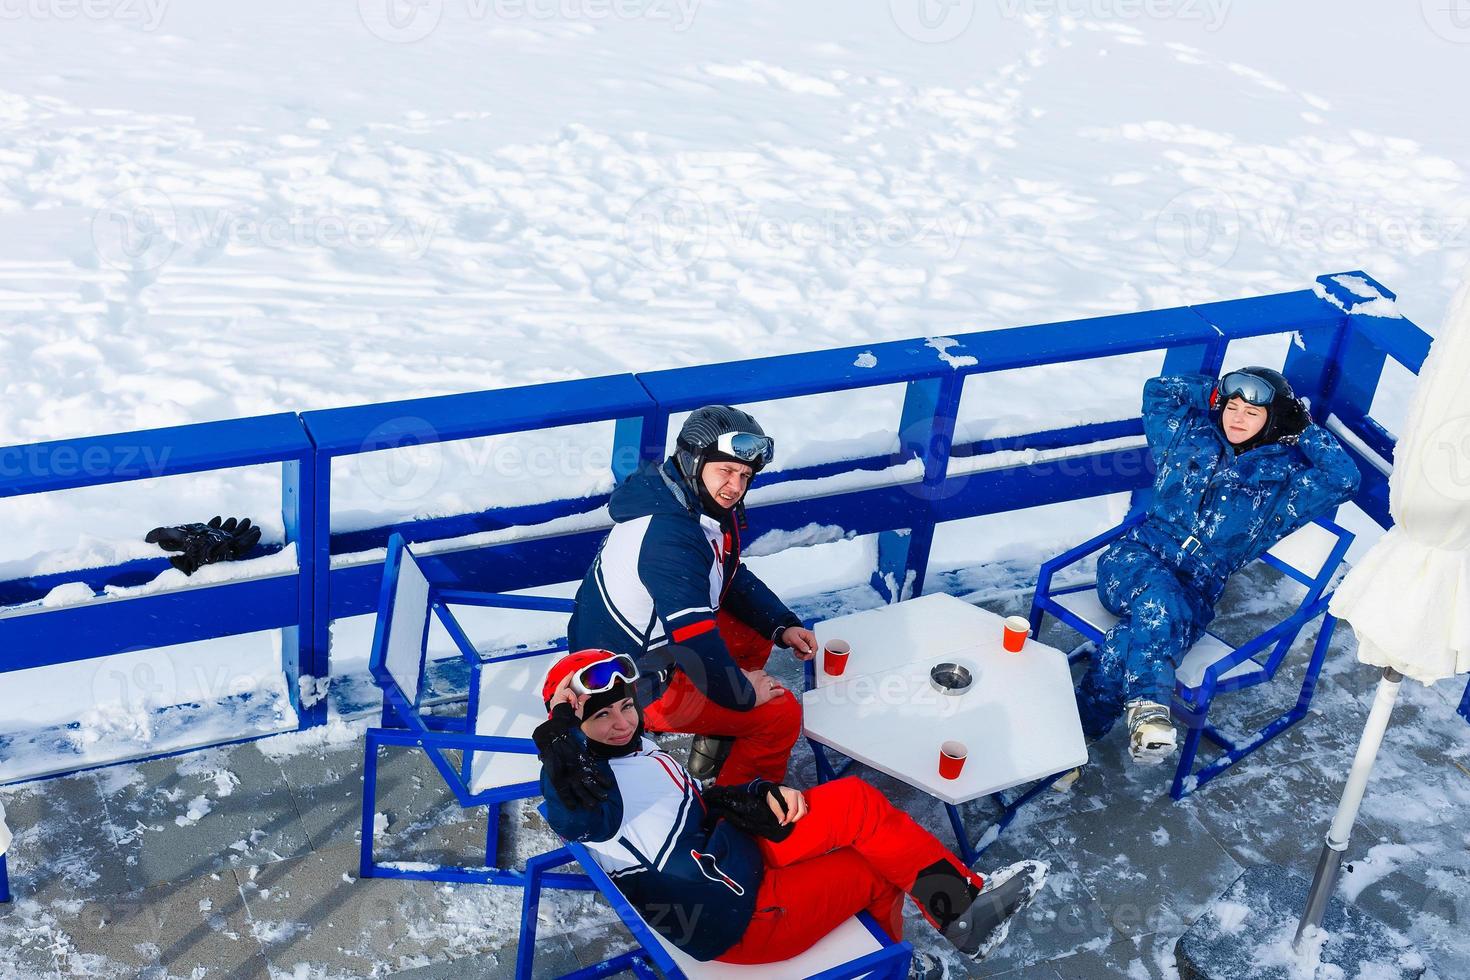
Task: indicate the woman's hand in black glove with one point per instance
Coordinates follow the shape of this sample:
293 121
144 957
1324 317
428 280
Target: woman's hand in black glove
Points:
575 776
1295 417
762 808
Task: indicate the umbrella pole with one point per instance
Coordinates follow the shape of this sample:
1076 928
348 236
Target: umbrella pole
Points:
1330 859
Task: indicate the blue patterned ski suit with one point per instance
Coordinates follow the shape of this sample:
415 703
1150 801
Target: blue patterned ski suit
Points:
1212 512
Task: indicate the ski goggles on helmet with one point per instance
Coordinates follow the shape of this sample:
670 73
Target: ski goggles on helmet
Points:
602 676
1248 387
748 447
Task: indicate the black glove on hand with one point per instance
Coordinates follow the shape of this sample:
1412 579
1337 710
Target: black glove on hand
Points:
1295 417
574 774
204 544
747 808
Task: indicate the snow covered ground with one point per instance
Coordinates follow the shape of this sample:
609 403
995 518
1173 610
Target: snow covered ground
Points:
242 861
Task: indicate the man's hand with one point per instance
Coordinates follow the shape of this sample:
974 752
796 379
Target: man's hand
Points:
765 686
789 805
802 641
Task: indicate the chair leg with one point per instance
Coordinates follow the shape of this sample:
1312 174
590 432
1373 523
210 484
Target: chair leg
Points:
1183 783
536 868
492 836
365 862
1314 666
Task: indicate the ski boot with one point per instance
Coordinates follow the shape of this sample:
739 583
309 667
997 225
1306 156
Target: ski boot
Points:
1151 736
707 754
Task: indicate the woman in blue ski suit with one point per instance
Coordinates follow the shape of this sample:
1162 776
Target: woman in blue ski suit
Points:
1240 465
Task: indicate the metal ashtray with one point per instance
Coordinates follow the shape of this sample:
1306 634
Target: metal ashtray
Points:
950 678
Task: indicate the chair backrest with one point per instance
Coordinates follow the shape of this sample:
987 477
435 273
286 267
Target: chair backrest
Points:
400 640
1311 554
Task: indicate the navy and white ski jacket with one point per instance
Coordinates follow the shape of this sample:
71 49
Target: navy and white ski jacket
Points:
663 573
694 880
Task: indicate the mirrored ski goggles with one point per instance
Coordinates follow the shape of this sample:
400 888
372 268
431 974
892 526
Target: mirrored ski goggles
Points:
604 675
1254 390
756 450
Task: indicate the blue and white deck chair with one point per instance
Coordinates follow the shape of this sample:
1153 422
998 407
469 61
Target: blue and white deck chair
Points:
857 948
1311 556
4 849
497 758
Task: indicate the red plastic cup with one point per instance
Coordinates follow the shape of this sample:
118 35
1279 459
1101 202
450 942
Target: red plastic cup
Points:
834 657
952 759
1017 629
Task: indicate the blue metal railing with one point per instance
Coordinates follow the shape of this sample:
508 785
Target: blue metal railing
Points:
1336 359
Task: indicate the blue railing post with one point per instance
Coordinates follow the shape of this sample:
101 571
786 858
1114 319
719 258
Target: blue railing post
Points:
321 574
1205 358
926 432
1357 362
638 440
1195 358
303 654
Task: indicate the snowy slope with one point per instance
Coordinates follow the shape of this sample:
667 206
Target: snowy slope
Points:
552 190
210 210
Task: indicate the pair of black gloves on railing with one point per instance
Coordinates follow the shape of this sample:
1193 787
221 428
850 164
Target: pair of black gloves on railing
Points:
205 544
581 782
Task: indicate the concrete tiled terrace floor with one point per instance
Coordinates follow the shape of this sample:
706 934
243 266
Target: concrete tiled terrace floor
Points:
242 862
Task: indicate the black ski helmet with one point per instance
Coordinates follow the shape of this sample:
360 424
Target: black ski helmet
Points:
695 445
1279 408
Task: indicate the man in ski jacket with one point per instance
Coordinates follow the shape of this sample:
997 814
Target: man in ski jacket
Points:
1240 465
668 589
747 874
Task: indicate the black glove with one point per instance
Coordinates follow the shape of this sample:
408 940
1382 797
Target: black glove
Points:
204 544
747 809
1295 417
574 774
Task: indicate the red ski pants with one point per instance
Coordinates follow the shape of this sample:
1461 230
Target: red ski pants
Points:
852 851
764 736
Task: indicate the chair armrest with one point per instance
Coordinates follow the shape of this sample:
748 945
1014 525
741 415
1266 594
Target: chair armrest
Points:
1052 565
502 600
1247 651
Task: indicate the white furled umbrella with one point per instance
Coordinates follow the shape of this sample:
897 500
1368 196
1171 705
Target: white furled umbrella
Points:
1408 599
4 832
